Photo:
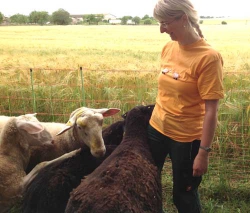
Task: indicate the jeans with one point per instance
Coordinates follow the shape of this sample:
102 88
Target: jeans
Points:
182 155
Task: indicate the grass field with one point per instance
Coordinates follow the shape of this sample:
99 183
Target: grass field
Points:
120 66
110 47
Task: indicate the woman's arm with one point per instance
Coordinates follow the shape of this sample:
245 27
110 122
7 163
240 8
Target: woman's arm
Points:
209 125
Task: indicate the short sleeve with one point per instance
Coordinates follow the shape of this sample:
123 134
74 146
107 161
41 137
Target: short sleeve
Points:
210 80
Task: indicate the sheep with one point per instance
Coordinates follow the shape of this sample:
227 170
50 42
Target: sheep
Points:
127 181
17 136
113 134
84 128
59 178
3 120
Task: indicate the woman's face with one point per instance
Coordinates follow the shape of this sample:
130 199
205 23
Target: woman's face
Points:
173 27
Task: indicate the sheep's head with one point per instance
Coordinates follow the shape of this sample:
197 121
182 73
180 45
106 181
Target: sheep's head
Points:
87 124
33 131
148 109
28 117
141 112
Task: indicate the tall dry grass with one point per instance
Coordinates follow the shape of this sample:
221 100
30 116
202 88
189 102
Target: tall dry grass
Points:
120 66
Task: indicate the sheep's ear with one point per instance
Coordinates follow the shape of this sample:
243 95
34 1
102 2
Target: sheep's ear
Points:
29 126
27 115
110 112
107 112
33 114
66 128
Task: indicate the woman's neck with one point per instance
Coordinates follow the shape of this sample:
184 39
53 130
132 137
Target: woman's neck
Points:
189 37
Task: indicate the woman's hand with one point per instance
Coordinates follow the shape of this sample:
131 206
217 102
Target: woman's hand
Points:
200 165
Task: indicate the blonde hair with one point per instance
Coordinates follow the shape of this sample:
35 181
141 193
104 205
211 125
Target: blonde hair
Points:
166 9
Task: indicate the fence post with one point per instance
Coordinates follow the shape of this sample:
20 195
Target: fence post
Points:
32 89
83 93
9 104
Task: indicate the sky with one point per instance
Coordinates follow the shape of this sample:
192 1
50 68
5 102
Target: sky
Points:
121 8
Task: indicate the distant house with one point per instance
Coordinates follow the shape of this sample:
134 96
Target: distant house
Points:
6 21
130 22
78 18
115 21
108 16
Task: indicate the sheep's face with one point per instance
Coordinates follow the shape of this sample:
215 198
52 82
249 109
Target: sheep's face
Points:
87 123
89 132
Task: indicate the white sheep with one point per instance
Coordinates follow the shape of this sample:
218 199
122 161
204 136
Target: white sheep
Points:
16 138
84 129
3 120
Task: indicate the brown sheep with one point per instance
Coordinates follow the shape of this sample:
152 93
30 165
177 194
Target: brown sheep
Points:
127 181
49 191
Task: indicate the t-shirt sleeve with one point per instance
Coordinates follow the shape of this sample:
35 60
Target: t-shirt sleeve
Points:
210 80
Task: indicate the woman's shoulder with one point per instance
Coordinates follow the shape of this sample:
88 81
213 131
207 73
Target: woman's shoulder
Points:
205 49
210 48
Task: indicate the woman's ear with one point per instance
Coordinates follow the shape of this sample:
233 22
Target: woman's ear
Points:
184 19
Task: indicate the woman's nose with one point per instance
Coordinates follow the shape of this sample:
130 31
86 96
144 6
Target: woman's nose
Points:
163 29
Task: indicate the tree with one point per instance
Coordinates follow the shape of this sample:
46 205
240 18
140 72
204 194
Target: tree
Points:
19 19
34 17
37 17
148 21
1 18
145 17
92 18
60 17
137 20
89 18
125 19
99 18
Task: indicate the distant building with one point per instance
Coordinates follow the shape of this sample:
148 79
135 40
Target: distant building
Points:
79 17
115 21
76 18
108 16
130 22
6 21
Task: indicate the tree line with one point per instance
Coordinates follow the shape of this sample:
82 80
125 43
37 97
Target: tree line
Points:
62 17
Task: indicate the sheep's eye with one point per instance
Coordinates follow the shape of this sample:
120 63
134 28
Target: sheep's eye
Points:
86 133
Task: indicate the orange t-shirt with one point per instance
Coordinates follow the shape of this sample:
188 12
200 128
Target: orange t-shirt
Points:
189 75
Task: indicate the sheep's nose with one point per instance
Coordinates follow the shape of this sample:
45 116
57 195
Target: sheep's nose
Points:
99 153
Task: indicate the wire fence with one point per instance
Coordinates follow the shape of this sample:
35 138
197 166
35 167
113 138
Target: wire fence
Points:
55 93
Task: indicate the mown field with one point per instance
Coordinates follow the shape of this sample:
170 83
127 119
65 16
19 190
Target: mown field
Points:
40 71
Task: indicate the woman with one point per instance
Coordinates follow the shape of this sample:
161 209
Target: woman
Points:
189 88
